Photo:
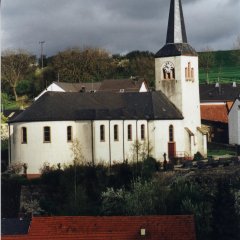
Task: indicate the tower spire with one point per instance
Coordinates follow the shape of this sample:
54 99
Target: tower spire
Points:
176 32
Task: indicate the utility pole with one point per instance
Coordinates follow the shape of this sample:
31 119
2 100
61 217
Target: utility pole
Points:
42 42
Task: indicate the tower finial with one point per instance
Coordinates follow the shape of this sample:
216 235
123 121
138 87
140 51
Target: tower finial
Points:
176 32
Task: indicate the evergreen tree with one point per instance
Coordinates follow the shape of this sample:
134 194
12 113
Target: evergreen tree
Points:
225 222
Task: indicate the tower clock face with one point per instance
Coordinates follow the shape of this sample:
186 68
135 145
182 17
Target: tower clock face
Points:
168 66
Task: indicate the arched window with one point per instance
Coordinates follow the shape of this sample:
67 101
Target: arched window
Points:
171 133
69 133
129 132
142 132
115 128
24 135
189 72
46 134
102 133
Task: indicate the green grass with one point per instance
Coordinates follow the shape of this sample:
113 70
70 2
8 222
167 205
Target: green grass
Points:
226 67
11 105
225 75
219 152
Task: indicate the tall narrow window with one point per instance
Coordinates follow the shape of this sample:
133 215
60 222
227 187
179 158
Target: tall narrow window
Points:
46 134
129 132
24 135
115 132
171 133
69 133
189 72
102 133
142 132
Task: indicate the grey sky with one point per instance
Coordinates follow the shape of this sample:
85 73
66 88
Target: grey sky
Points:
119 26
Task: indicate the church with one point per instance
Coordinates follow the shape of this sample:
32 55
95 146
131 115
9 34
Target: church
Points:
108 126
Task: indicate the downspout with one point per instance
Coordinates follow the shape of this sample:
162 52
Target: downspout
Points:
93 160
110 160
9 146
137 141
123 144
148 136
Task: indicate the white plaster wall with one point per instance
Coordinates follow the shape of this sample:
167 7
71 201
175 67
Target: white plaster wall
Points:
143 88
35 153
159 137
184 94
51 88
234 123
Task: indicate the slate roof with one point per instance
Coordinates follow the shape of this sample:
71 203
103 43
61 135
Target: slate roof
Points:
77 87
215 113
115 85
176 49
11 114
62 106
108 228
176 32
225 92
14 226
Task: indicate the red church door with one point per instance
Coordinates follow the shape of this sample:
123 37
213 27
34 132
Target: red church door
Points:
171 150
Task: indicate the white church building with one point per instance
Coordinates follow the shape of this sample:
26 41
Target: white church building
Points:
107 125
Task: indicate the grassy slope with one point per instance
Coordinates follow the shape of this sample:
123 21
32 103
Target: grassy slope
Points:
225 68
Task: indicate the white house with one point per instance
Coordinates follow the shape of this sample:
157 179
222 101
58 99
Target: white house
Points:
234 123
133 84
108 124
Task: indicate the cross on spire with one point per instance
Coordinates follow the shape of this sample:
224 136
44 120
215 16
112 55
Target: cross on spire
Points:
176 32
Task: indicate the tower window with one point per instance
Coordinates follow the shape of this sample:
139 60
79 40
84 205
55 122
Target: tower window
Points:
189 72
102 133
142 132
69 133
115 132
171 133
46 134
129 132
168 71
24 135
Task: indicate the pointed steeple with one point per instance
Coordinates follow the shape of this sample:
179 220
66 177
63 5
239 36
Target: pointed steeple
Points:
176 32
176 42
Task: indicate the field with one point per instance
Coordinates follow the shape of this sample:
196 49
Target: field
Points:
225 69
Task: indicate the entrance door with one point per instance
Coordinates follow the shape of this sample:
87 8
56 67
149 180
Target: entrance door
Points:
171 150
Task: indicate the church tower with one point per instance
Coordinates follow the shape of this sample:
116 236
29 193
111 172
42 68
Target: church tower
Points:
176 70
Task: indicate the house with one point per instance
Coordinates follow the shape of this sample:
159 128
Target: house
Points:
70 87
133 84
216 101
108 125
234 122
98 228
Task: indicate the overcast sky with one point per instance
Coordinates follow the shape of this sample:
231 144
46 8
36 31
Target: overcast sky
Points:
119 26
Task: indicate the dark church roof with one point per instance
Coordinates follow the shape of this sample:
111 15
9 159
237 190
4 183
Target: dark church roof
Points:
176 49
61 106
14 226
176 42
219 92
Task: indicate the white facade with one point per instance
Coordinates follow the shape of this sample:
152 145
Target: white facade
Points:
234 123
35 152
182 88
53 87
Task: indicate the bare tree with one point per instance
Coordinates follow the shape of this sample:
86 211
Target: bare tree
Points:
206 61
15 65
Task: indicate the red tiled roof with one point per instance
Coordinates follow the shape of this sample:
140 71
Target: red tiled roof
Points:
215 113
108 228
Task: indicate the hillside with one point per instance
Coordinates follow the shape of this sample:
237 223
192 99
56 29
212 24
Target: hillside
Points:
226 67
